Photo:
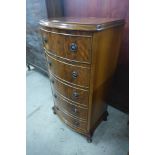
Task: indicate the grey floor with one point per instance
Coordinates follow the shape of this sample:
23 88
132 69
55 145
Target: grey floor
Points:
47 135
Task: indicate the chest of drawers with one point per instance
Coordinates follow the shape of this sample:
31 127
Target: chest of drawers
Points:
82 55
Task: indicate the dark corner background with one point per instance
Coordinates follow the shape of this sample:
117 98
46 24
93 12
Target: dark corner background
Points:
39 9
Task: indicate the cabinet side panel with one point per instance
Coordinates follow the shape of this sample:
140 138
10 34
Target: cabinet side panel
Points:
106 47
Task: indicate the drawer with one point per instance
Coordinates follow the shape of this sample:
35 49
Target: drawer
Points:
75 123
76 95
72 47
77 75
70 108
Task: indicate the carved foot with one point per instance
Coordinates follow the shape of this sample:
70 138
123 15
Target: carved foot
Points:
54 112
89 138
105 116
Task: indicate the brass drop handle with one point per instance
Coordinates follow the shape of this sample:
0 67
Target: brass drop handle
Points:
73 47
75 95
74 74
76 123
75 110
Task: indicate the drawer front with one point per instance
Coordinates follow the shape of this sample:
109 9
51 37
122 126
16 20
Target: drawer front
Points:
78 96
70 108
75 123
75 48
77 75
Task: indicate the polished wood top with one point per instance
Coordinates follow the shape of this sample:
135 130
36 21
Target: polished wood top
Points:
76 23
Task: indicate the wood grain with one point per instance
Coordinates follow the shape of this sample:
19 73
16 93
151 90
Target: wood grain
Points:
103 9
72 74
105 58
67 91
88 93
82 24
74 123
70 108
60 45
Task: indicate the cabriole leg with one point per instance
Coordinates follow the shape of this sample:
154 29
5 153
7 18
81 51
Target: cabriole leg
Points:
89 138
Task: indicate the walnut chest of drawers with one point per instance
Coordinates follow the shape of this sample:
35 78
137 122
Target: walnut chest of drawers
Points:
82 56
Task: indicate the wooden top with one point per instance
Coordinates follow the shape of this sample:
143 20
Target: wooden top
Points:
87 24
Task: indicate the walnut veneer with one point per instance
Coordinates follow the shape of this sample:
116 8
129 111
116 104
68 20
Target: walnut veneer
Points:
81 55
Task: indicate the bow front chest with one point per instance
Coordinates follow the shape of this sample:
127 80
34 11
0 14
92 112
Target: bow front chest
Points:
81 55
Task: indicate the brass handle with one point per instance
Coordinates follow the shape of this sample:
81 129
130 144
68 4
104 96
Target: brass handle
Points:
74 74
76 123
73 47
75 95
75 110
